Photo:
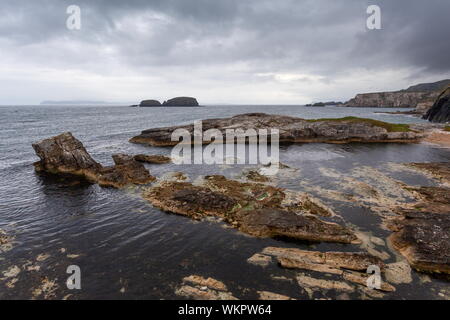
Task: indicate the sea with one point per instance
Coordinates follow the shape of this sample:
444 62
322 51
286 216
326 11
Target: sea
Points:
127 249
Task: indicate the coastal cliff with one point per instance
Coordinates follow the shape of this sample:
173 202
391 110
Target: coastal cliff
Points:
421 95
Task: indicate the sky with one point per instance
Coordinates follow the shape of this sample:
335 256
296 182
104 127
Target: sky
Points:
219 51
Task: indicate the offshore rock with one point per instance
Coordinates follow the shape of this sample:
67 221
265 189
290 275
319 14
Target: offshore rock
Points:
64 154
150 103
181 102
293 130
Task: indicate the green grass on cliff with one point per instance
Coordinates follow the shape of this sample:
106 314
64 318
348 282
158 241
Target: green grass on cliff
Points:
447 128
390 127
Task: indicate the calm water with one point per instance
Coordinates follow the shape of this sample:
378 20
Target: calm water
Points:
128 249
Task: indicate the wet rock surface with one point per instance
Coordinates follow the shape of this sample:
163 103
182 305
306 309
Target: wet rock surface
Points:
293 130
64 154
257 209
154 159
200 288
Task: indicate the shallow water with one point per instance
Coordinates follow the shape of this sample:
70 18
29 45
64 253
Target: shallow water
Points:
128 249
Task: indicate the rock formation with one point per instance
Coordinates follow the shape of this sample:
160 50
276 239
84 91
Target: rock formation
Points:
292 130
154 159
150 103
422 94
257 209
440 111
181 102
64 154
398 99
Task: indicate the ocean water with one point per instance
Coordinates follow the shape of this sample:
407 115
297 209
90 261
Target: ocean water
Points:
127 249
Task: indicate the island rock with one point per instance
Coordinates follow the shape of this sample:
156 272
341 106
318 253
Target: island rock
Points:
150 103
181 102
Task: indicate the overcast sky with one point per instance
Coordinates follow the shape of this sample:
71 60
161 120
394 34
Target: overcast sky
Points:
220 51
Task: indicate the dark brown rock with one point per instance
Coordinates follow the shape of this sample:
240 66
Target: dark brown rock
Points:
64 154
154 159
424 240
256 209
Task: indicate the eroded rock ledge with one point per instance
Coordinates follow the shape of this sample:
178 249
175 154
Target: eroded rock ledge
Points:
292 130
64 154
257 209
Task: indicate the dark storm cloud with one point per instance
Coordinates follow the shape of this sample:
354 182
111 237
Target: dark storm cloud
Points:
281 33
250 40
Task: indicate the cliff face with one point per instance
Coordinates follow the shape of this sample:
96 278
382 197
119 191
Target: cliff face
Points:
440 111
397 99
420 96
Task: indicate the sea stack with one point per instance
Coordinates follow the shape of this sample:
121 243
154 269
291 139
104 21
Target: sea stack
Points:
150 103
181 102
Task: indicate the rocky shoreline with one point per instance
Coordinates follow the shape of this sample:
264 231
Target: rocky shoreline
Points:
257 207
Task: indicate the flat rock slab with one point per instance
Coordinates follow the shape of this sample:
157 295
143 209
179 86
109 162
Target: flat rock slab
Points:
292 130
200 288
424 240
256 209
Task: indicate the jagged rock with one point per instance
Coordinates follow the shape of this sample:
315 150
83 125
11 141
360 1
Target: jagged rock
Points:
293 130
150 103
440 111
155 159
181 102
126 171
64 154
256 209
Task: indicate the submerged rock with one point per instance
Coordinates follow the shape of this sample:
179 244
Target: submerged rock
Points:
257 209
64 154
293 130
199 288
